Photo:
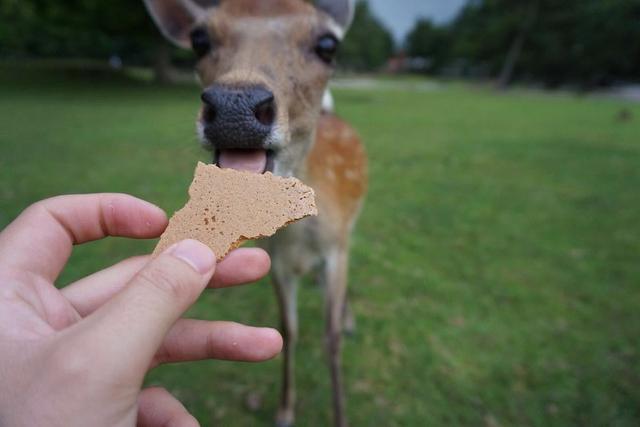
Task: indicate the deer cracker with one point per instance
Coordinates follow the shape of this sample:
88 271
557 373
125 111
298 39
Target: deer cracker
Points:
228 207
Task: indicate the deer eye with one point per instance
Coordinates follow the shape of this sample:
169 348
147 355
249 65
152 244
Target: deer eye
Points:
326 48
200 42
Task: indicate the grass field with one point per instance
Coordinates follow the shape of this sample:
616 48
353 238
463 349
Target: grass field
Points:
496 267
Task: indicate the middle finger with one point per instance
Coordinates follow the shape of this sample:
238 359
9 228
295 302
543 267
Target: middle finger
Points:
191 340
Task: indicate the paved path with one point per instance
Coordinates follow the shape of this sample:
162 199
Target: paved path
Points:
367 83
628 93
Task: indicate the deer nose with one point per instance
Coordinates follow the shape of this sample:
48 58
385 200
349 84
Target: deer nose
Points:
238 117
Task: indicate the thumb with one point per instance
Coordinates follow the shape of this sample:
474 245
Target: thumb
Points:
126 332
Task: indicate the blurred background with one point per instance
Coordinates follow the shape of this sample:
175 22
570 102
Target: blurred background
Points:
495 273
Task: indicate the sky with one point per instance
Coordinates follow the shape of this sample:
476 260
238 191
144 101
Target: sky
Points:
400 15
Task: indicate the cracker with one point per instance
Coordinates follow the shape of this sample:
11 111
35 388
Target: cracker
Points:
227 207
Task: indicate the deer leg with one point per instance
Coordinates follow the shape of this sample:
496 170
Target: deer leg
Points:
336 286
348 318
286 285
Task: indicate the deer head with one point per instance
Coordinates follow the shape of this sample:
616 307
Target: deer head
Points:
264 66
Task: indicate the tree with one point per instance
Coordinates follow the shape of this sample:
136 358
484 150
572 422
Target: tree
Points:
79 28
429 41
528 20
21 15
368 44
583 42
589 42
490 34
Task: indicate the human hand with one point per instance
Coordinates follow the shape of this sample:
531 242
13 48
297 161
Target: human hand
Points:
78 356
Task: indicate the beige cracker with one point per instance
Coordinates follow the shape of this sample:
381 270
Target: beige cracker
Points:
227 207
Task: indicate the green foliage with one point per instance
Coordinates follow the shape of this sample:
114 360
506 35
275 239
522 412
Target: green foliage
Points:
592 42
18 17
429 41
368 44
97 29
589 42
483 30
75 28
494 274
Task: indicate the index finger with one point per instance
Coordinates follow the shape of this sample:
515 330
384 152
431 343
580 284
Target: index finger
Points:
41 238
240 266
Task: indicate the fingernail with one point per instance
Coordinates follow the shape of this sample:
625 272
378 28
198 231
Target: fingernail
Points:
194 253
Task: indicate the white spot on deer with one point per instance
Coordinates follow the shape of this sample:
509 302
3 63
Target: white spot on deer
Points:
330 174
346 135
327 102
328 133
351 175
200 132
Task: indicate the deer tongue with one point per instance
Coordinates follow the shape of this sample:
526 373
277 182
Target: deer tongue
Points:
245 160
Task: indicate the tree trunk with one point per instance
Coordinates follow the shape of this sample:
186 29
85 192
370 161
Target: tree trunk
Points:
509 64
162 70
506 74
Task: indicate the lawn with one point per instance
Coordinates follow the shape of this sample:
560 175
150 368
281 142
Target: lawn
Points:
495 271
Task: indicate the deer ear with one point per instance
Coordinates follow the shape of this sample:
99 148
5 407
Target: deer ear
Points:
340 10
176 18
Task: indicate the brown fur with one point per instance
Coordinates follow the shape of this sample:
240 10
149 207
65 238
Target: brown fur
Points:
337 170
271 43
247 53
263 8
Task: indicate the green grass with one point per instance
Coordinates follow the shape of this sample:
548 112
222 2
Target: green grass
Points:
495 271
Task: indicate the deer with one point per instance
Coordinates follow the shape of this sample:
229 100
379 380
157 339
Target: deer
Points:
264 66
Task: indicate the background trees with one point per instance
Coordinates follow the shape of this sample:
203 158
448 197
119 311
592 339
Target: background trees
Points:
75 28
587 43
429 41
98 29
584 42
368 44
